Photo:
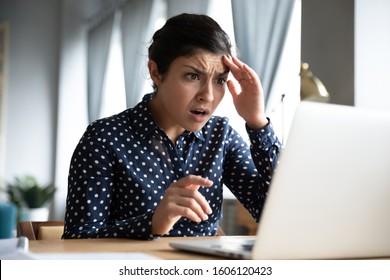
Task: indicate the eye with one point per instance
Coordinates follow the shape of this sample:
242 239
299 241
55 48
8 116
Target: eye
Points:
220 81
192 76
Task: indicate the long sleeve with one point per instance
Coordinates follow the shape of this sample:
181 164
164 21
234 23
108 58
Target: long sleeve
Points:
92 205
249 169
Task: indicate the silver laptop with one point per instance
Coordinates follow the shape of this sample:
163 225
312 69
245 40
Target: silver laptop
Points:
330 195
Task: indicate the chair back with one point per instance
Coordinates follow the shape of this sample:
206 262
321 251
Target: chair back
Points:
51 230
40 230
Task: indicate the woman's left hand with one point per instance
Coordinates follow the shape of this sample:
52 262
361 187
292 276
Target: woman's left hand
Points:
249 102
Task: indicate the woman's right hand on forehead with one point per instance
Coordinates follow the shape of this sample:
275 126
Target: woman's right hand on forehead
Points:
248 98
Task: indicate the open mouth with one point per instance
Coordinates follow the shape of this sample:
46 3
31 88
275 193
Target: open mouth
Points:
199 112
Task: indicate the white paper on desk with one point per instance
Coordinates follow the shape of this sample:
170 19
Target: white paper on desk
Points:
14 248
17 249
92 256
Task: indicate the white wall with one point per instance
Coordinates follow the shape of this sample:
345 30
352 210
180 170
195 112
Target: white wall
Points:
32 87
372 54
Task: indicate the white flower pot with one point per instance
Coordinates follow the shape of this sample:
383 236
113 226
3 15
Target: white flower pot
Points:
34 214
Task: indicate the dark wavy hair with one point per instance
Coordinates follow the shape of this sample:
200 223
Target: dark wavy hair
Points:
184 35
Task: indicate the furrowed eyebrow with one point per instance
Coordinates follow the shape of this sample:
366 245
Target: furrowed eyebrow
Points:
199 71
227 71
196 70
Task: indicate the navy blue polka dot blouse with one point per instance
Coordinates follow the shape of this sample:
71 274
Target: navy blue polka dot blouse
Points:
123 164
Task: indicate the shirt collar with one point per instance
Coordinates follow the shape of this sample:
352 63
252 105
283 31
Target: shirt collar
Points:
199 135
142 120
141 117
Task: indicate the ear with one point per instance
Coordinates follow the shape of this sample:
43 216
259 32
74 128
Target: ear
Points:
153 72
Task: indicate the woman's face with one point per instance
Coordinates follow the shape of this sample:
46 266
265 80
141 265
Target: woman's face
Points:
189 92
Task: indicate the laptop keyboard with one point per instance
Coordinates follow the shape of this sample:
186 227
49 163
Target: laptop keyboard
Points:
247 247
239 246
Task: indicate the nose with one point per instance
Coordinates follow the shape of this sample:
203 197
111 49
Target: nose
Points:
206 92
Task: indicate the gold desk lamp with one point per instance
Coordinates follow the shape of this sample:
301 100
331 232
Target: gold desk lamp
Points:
312 89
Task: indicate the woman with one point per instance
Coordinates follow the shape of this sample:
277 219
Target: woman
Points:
158 169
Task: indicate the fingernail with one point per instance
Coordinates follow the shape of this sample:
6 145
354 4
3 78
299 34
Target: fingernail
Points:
206 217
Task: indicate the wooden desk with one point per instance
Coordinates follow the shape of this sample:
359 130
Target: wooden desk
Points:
159 247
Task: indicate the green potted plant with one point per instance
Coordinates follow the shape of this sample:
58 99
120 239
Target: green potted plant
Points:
30 197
